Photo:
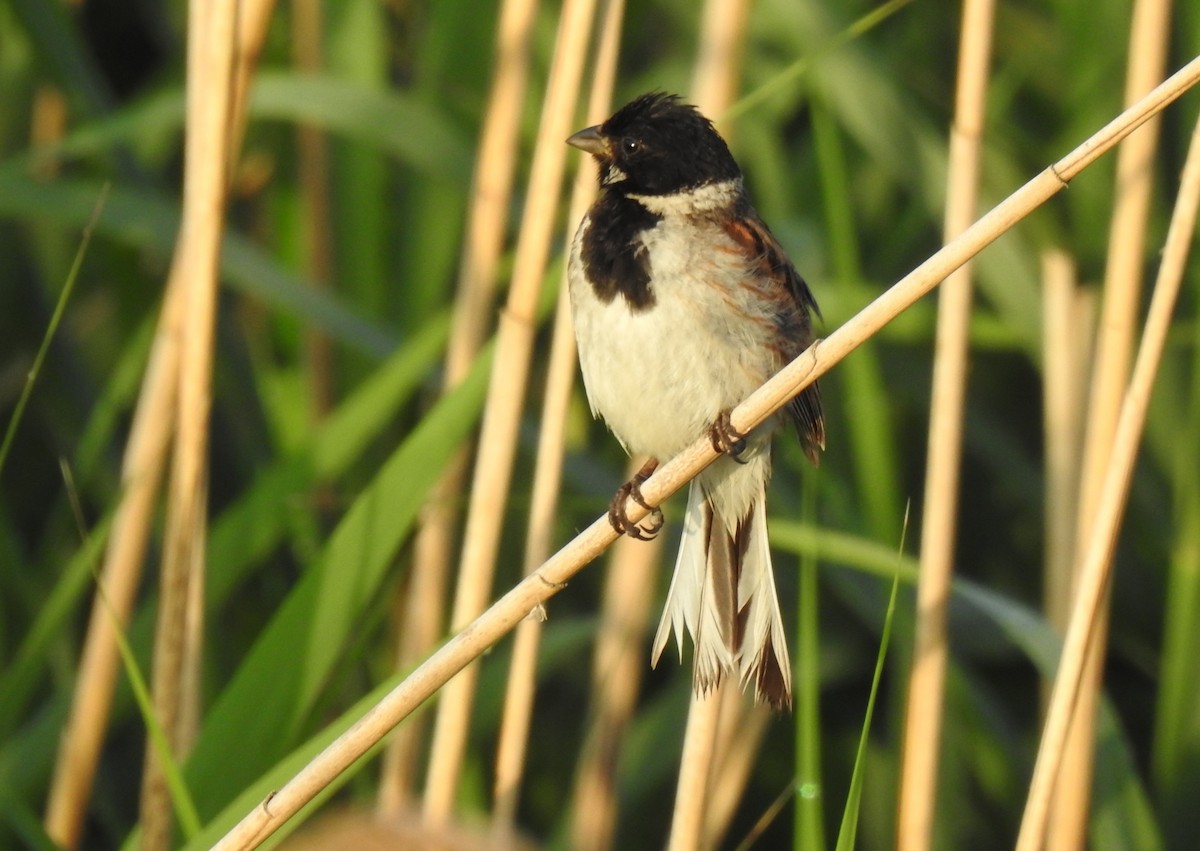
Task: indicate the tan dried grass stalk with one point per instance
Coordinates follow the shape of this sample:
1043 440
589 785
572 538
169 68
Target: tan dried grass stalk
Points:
477 636
739 736
923 714
560 379
522 677
141 473
714 82
1066 339
695 768
1097 560
506 393
1122 292
254 19
719 56
312 165
424 601
211 29
618 665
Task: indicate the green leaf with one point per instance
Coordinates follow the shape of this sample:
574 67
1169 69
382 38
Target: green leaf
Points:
147 220
849 828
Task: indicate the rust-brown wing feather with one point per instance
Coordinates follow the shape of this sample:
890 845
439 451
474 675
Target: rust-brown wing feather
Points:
796 306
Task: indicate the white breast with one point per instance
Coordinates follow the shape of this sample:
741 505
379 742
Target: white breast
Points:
660 376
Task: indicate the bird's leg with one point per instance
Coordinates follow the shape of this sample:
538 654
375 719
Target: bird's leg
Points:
727 440
632 489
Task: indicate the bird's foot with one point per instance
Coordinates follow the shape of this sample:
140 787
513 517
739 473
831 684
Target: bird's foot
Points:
726 439
652 523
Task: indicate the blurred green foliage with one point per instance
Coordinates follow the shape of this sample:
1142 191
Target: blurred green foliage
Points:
311 515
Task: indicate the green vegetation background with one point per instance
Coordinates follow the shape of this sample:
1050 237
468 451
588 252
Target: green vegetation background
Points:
311 520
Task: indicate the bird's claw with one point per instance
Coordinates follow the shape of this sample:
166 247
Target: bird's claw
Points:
726 439
651 524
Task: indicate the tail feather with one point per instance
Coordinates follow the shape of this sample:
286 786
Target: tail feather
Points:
723 594
764 654
698 600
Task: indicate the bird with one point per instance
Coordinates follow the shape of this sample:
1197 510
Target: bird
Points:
683 303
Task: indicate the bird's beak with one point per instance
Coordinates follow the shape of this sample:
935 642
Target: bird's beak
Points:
590 139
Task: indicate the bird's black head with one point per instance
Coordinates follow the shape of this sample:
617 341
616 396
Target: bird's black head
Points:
656 145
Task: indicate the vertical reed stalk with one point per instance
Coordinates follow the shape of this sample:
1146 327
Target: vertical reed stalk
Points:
739 737
141 473
1114 346
714 83
312 162
1066 341
48 123
618 664
514 730
719 56
695 769
497 444
519 694
211 39
923 714
808 831
424 603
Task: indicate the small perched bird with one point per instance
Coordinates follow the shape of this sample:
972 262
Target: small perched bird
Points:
684 303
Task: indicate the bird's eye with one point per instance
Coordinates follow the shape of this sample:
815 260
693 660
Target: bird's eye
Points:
630 146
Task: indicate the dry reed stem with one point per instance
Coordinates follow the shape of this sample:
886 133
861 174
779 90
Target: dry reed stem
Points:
312 166
924 710
739 736
518 703
560 380
714 82
424 601
1097 561
211 29
1066 342
522 676
491 189
141 473
254 19
1122 289
695 768
618 664
192 668
483 632
719 57
506 392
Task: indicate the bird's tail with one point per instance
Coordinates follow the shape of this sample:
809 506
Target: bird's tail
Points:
723 593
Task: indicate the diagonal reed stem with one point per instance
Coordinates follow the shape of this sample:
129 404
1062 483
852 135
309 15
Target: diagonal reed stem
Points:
1114 347
1091 591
